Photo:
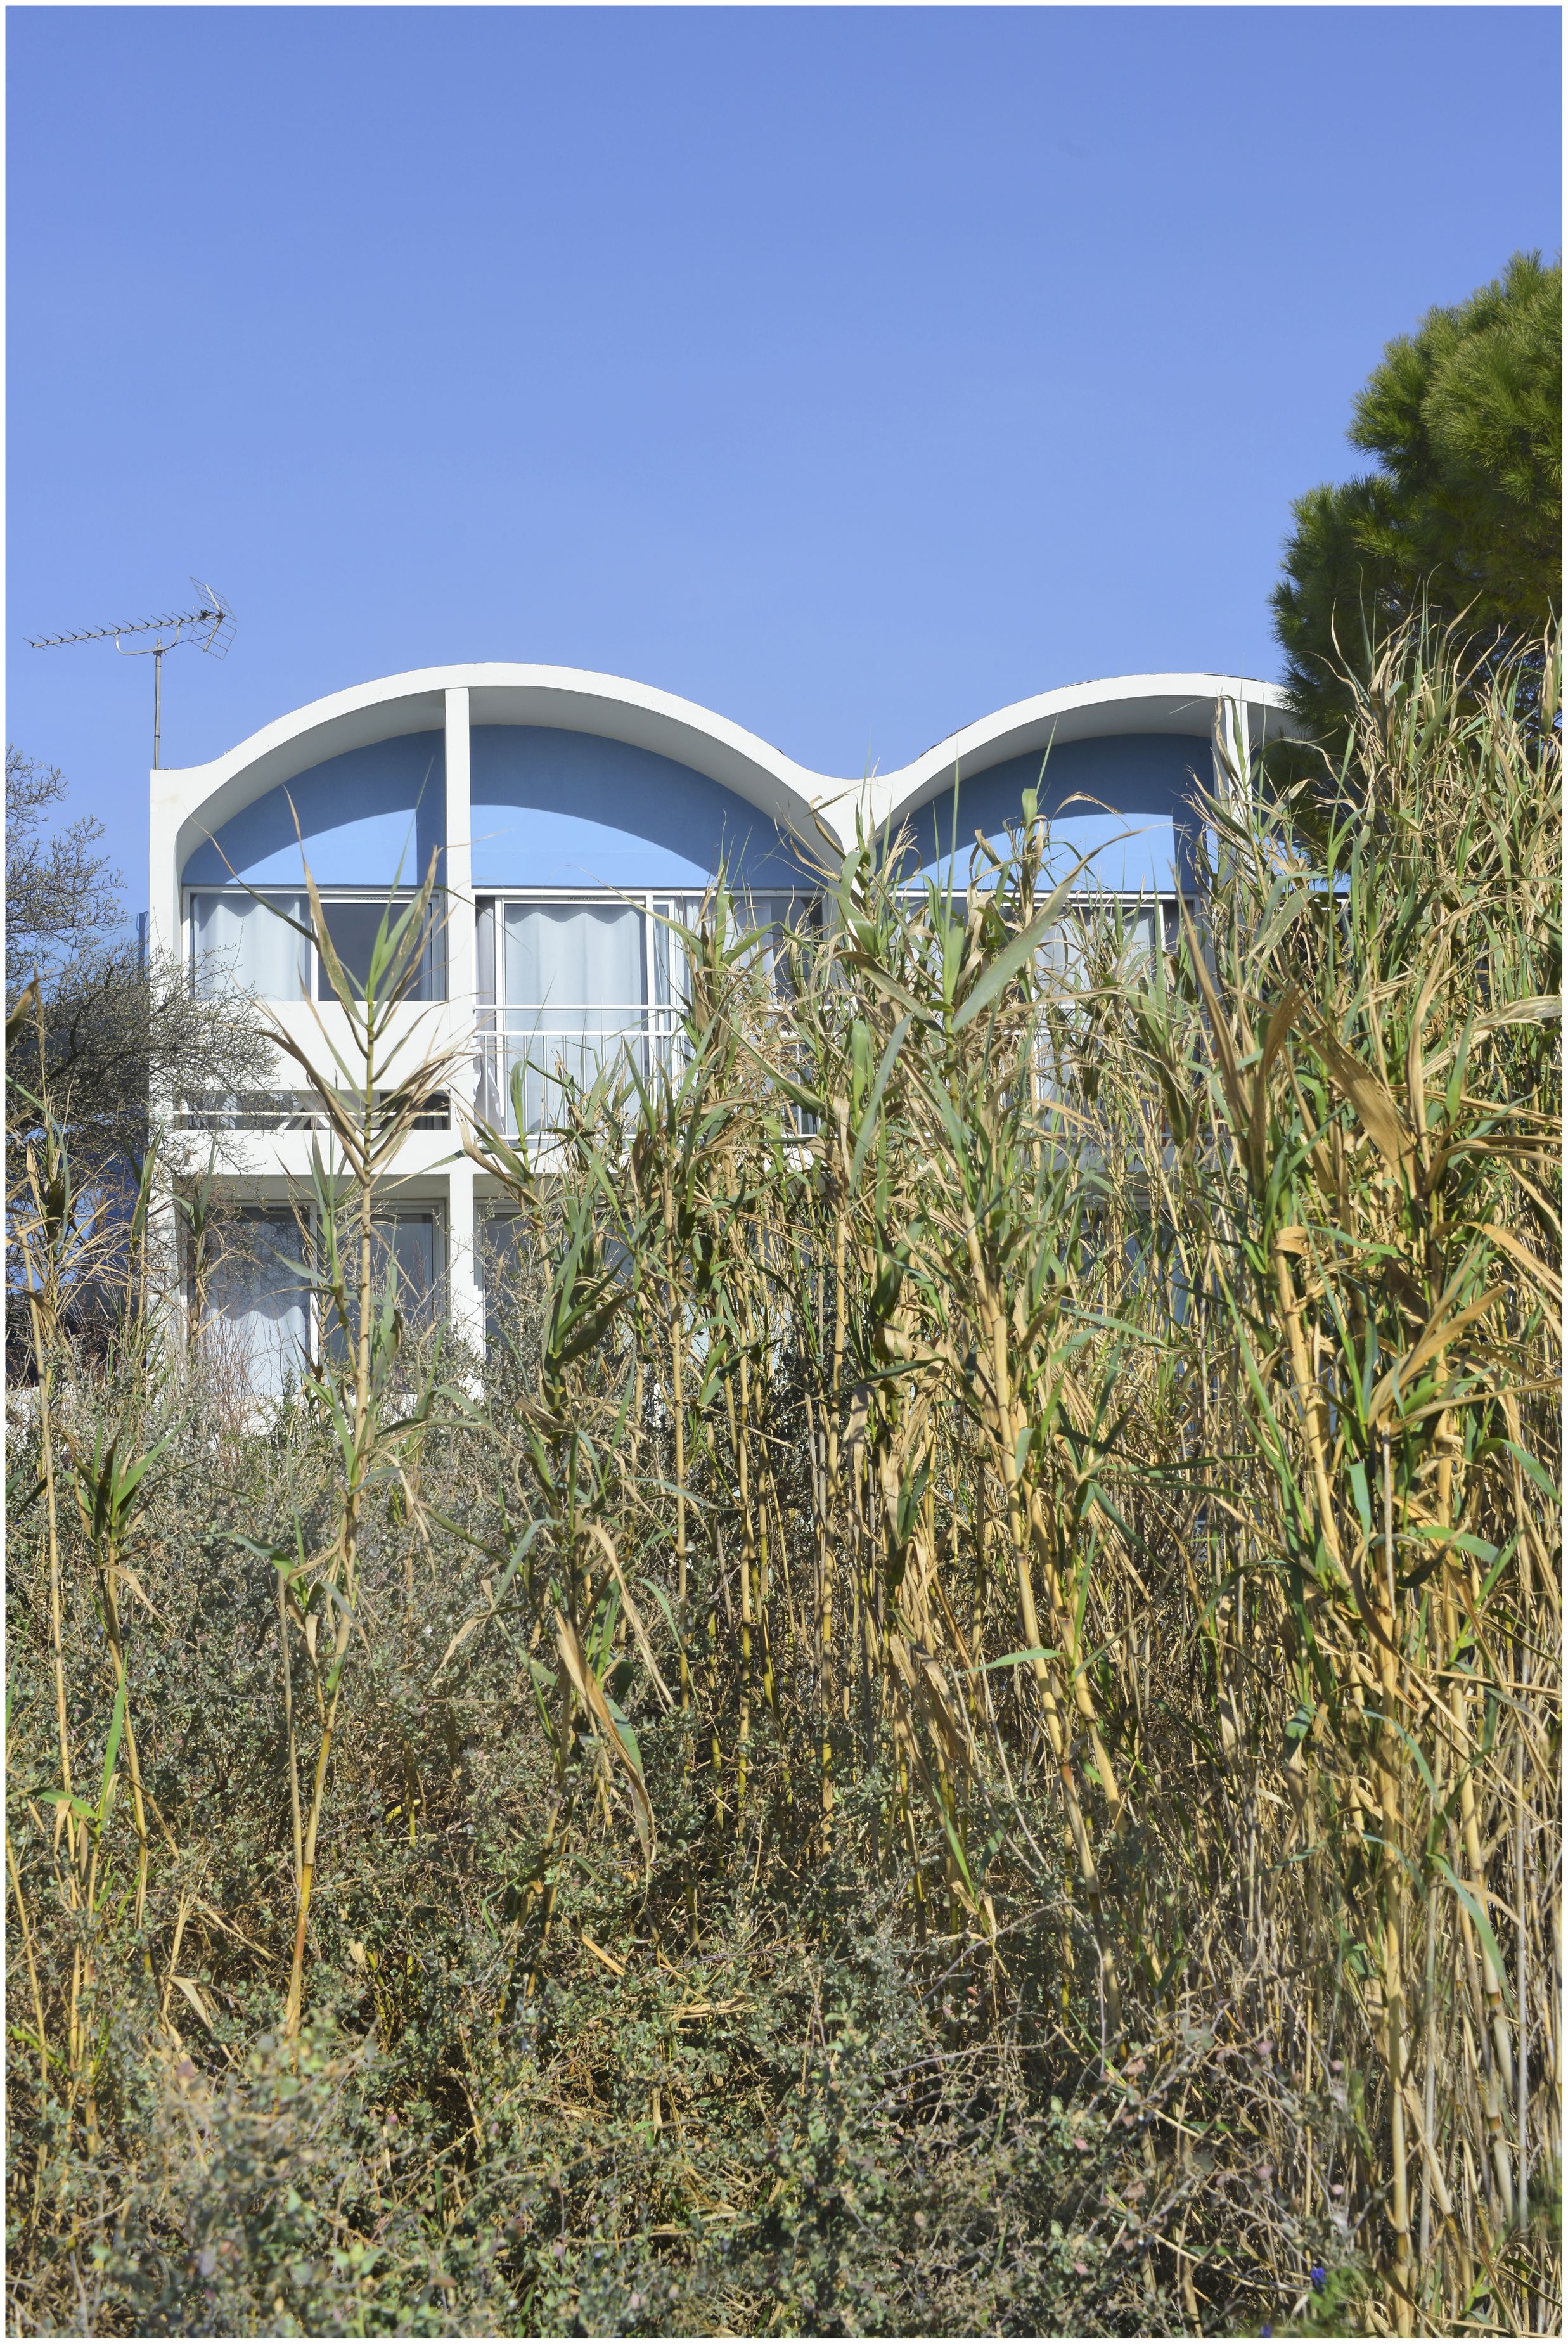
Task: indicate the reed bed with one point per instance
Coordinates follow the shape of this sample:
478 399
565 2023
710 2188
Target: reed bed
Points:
958 1729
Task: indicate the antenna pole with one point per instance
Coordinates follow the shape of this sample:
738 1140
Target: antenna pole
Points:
210 626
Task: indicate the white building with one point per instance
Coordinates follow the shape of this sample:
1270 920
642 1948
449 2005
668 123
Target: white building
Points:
566 808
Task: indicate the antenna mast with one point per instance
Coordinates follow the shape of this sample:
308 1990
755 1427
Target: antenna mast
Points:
210 626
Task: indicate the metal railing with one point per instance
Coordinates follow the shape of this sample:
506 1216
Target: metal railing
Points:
288 1110
567 1044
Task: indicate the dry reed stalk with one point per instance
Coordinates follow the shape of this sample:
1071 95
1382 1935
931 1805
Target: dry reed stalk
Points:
1077 1430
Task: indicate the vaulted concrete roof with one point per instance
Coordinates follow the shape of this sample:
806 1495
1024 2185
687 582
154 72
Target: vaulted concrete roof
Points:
193 800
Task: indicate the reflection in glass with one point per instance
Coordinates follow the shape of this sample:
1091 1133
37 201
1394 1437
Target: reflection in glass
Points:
259 1303
353 925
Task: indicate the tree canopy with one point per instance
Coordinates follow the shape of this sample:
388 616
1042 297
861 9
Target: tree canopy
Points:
1464 514
111 1026
61 896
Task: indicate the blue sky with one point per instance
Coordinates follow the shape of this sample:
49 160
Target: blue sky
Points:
853 371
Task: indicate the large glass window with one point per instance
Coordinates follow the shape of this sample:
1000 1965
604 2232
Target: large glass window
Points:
246 940
568 986
353 924
257 1302
1104 940
574 983
1105 935
265 1316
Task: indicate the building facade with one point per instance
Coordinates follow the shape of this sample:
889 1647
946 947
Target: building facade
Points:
567 810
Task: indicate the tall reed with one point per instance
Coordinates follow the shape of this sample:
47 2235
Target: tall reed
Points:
1017 1458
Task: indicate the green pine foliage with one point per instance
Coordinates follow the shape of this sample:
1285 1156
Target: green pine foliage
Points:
1463 515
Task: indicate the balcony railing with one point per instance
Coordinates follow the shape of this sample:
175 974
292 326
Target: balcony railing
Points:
568 1044
289 1111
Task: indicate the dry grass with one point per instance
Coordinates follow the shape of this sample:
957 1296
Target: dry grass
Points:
965 1733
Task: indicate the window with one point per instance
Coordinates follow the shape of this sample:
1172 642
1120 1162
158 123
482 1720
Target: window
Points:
247 940
264 1312
406 1247
1105 932
352 924
238 939
258 1313
571 984
502 1259
574 983
1102 940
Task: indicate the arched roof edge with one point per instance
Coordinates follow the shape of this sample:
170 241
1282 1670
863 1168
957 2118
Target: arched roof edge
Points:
197 799
582 700
1175 702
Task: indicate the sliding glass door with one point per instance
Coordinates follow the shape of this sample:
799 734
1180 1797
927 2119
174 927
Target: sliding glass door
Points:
574 994
569 986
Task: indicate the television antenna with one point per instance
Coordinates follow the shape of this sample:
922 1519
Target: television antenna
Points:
210 626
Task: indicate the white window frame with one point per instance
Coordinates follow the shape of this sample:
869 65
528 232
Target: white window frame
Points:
305 1219
653 1023
363 893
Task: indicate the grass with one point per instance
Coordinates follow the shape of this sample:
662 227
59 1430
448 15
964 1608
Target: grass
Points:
958 1729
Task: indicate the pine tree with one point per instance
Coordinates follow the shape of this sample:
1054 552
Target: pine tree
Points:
1464 514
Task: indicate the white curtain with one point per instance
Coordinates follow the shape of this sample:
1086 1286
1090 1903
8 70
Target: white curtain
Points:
246 942
573 958
258 1305
1066 950
572 982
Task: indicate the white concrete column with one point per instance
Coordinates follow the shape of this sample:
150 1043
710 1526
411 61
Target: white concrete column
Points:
465 1303
163 878
1233 750
459 860
166 934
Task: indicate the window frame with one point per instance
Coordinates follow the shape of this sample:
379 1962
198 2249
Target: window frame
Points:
305 1219
363 893
659 1020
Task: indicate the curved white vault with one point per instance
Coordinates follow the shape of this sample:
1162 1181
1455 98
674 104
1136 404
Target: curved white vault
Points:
189 803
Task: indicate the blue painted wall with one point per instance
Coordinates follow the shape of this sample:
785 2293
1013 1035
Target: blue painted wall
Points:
362 815
1141 824
557 809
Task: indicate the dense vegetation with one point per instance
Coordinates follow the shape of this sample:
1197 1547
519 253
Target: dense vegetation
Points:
114 1025
1462 516
958 1732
